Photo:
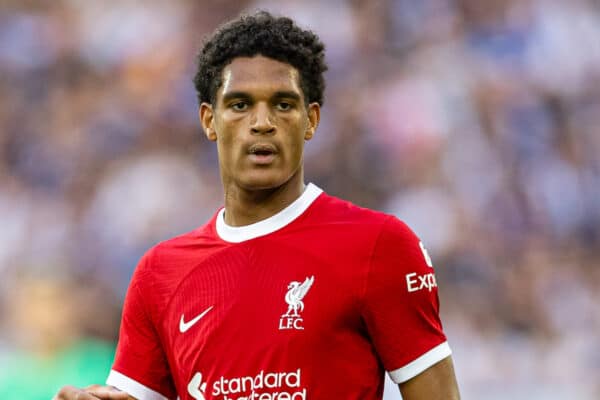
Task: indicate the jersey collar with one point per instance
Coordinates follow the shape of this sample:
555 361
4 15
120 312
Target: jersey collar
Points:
237 234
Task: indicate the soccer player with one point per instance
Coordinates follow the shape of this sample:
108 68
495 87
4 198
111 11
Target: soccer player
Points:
287 292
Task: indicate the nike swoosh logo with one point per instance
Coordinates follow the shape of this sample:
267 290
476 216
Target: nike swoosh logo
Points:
184 326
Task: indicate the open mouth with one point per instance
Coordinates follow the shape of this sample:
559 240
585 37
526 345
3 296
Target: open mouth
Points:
262 153
262 149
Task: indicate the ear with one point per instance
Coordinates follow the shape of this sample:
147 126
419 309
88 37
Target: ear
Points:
207 120
314 116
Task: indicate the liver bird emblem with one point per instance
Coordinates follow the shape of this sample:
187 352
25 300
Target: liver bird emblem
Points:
295 294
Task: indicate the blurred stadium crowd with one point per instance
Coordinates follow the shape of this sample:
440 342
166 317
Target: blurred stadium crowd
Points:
477 122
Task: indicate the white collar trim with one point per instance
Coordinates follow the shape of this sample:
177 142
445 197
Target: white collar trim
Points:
237 234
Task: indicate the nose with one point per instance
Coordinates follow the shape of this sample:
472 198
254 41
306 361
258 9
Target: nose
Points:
262 120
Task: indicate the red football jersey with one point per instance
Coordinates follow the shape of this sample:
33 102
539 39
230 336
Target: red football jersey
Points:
314 302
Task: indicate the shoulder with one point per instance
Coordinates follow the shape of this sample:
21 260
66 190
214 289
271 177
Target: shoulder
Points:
176 254
165 265
391 240
334 209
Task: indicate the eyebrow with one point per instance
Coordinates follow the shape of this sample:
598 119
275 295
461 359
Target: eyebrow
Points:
235 95
278 95
287 94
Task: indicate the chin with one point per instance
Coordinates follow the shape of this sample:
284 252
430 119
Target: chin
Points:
263 182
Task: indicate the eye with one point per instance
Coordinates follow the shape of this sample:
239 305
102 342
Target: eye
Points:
239 106
284 106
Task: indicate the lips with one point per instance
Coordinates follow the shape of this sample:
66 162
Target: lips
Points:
262 149
262 153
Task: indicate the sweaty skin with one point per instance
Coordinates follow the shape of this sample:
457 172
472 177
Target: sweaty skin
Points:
438 382
260 122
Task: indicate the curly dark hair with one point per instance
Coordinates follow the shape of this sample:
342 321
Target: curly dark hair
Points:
262 33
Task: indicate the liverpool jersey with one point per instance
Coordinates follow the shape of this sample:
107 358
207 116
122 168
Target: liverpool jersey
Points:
315 302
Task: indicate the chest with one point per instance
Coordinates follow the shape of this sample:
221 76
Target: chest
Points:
265 303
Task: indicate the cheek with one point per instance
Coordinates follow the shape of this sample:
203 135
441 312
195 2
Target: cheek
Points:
225 139
297 148
225 150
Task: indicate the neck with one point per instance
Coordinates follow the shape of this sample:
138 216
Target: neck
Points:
247 206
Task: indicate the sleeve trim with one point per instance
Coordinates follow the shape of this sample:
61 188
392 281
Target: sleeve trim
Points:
420 364
134 388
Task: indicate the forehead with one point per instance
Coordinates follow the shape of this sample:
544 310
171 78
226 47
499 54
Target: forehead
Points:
259 75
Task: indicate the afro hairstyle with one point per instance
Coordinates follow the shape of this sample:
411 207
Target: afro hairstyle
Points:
263 34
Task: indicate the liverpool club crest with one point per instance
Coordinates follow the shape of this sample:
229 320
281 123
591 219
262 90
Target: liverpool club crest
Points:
296 292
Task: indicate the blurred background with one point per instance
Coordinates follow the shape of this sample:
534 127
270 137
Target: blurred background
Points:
477 122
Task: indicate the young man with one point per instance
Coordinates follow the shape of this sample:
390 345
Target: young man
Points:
287 293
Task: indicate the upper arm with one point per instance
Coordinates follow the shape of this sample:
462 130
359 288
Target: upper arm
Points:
400 304
438 382
141 367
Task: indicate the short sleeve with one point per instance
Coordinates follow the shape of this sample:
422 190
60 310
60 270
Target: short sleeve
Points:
401 306
140 367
